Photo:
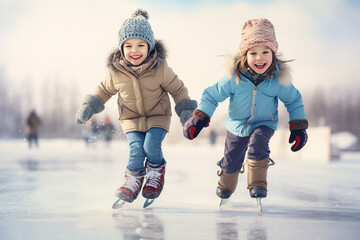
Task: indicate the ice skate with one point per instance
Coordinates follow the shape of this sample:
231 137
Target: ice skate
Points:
257 179
258 192
129 191
226 185
155 178
223 194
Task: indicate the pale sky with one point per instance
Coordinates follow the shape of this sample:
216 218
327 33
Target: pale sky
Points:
69 41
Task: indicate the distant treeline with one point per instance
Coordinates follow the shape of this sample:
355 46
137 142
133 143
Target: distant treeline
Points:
55 104
338 108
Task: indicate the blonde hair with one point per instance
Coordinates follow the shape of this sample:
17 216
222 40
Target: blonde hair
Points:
241 64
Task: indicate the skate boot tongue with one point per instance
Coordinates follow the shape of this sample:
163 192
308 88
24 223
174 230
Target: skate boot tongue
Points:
155 178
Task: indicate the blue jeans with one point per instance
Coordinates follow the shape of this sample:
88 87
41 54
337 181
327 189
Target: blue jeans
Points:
145 146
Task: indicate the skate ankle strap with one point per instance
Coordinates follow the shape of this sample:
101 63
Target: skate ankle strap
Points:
271 162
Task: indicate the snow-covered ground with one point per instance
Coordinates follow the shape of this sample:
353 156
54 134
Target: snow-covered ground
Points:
64 190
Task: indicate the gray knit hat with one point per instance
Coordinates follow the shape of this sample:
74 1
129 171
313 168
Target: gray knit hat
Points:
137 27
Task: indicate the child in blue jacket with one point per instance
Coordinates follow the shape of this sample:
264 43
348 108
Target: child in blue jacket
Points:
258 79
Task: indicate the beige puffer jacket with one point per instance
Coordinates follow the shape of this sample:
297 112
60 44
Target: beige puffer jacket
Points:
143 99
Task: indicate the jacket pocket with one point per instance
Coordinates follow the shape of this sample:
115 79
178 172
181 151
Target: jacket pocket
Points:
121 110
164 106
126 113
271 116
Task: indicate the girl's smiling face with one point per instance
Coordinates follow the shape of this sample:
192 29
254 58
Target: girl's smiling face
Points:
135 51
259 58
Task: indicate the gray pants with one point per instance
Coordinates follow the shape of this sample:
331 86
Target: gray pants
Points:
256 145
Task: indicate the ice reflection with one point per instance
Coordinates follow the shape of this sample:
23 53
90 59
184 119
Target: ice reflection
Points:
30 164
257 232
139 225
227 227
232 226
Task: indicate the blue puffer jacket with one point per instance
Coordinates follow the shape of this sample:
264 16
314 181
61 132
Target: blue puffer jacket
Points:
253 106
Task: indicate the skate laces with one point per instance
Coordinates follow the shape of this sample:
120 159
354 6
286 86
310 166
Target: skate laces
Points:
153 178
132 183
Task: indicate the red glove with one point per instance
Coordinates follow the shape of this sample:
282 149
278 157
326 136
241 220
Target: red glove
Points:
195 124
298 134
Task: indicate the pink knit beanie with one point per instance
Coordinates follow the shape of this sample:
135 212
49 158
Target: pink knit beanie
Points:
258 32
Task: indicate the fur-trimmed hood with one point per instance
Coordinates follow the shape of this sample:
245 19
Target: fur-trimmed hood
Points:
159 50
283 70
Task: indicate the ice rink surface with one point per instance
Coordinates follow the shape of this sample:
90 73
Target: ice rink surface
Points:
64 190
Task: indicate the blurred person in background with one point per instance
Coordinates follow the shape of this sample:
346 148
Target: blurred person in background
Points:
32 124
212 137
95 128
108 130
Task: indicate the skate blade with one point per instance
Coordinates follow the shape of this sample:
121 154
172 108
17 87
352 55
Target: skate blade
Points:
259 204
223 201
148 202
118 204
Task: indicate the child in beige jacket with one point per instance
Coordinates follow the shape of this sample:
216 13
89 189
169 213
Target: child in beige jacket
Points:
139 74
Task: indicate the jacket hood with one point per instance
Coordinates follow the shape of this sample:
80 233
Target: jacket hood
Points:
116 55
283 71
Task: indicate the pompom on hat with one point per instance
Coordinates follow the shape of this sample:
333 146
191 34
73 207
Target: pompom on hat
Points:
137 26
258 32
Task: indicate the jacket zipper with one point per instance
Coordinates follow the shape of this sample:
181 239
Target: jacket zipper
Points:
252 111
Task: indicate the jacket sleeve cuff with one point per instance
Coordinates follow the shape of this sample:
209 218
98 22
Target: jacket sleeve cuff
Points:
298 124
201 115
